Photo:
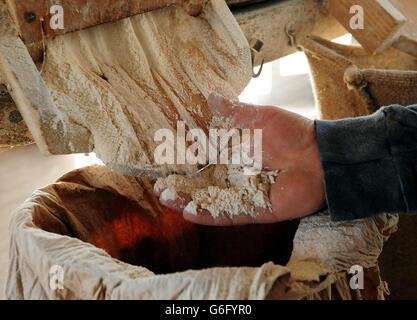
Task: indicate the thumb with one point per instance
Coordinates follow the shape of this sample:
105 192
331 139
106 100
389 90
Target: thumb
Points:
238 114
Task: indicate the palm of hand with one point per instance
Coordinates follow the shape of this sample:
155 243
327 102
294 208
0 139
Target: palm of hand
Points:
289 145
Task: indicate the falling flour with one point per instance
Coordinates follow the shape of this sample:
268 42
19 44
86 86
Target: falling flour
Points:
221 190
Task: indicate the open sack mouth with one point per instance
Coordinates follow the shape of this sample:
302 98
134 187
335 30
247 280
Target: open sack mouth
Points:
142 232
110 238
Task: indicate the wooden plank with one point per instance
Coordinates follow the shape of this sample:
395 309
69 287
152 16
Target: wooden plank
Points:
407 40
31 16
28 90
270 20
382 22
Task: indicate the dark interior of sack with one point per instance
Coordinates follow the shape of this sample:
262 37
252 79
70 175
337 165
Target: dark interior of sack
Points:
159 238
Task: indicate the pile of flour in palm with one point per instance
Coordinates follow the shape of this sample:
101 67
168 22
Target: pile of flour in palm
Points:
221 190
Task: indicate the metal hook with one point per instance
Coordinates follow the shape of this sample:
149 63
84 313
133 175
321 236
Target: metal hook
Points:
291 34
257 74
256 46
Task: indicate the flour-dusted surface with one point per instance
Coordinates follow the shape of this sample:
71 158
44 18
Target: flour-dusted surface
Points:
324 247
116 84
221 190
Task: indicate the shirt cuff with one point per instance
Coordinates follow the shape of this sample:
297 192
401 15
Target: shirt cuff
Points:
360 174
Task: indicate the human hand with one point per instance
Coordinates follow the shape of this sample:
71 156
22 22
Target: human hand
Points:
289 146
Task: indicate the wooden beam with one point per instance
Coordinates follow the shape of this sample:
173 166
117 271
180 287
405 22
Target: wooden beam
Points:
269 22
28 90
33 16
265 21
382 22
407 40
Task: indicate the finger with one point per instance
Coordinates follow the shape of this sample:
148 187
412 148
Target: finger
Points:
203 217
238 114
158 192
178 204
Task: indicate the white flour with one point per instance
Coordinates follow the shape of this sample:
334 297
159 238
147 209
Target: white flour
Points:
221 190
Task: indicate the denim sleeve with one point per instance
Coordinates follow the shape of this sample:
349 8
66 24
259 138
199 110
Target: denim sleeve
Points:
370 163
